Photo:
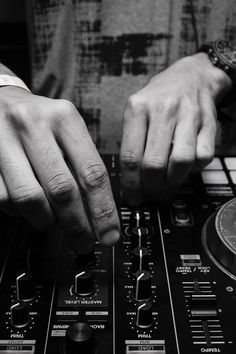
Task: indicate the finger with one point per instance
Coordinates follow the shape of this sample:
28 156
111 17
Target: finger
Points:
24 190
91 174
205 145
5 202
183 153
155 161
131 155
59 185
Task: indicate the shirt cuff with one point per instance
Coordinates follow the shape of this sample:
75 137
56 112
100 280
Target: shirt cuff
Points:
8 80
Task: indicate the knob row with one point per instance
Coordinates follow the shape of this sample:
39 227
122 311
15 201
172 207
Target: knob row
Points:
80 336
84 284
25 293
142 292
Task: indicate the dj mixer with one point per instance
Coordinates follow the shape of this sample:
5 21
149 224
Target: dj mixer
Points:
167 287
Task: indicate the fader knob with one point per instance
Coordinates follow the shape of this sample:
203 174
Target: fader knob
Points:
84 283
137 219
19 314
142 288
79 339
138 237
144 315
140 257
25 286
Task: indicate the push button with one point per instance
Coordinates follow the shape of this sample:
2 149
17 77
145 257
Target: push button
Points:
230 163
215 164
214 177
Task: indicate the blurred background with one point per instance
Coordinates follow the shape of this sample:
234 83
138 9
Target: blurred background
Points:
13 38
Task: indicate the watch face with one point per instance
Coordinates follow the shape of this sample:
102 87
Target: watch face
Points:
226 52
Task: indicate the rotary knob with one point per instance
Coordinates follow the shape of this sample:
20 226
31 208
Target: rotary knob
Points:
144 315
182 218
19 314
138 237
142 288
79 339
84 285
137 219
25 286
140 257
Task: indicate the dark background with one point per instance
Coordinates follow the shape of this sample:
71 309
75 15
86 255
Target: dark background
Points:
14 39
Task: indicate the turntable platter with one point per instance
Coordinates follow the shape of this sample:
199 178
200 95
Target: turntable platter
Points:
219 238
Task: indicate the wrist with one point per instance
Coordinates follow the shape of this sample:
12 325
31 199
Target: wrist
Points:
216 80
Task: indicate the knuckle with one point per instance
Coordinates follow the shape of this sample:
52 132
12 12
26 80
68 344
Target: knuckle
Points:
66 107
169 104
137 102
22 109
22 115
64 115
129 161
26 195
154 163
61 188
95 176
27 117
164 107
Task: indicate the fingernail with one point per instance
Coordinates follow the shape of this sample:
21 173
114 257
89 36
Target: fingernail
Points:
109 238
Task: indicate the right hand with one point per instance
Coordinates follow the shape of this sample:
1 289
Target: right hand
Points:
170 127
49 165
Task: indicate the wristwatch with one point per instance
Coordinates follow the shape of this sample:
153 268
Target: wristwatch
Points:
222 55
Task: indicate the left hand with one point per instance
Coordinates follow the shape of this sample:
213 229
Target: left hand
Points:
170 126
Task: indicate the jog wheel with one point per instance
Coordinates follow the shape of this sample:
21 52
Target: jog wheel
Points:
219 238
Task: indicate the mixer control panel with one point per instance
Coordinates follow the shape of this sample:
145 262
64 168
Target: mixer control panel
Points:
167 287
